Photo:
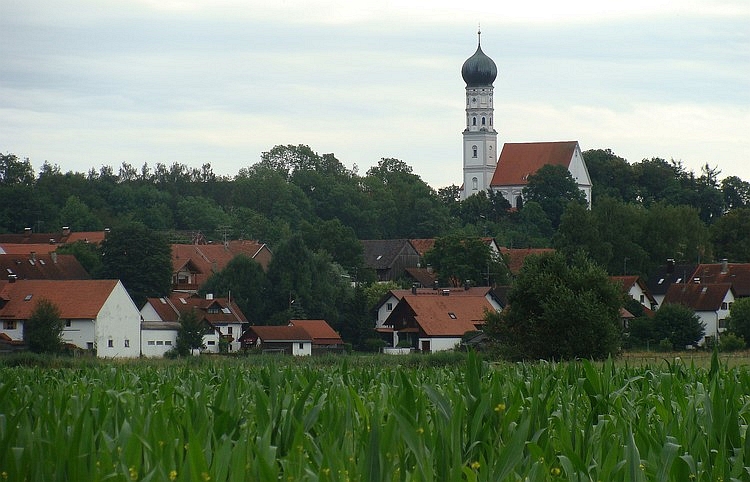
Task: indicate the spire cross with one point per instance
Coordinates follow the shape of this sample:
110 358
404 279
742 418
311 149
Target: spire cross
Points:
479 34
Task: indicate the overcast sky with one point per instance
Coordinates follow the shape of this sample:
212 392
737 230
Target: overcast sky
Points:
88 83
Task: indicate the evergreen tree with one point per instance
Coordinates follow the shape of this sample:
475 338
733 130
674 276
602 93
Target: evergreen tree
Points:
42 332
140 258
190 333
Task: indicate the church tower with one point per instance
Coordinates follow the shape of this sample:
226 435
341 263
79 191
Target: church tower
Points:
480 136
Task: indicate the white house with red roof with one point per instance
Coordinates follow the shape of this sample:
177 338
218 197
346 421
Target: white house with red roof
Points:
431 324
98 314
223 319
710 302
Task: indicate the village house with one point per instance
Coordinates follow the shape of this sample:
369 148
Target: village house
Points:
99 315
193 264
51 266
436 323
710 302
161 320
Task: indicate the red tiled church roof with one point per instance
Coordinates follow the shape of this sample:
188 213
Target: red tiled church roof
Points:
519 160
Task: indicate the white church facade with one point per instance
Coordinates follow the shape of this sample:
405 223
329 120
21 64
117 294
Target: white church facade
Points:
507 172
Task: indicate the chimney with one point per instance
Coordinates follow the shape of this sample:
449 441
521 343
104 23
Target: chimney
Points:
446 292
435 285
33 256
670 265
66 230
53 255
27 231
467 284
724 266
414 288
12 278
209 296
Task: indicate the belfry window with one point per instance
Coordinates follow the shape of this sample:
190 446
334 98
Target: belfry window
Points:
490 120
473 121
484 121
473 151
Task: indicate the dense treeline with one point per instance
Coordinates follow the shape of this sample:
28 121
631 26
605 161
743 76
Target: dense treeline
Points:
642 213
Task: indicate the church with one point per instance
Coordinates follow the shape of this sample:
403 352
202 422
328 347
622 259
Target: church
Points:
508 172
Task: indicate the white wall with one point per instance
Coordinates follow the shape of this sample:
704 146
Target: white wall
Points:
81 333
440 344
119 321
305 350
155 343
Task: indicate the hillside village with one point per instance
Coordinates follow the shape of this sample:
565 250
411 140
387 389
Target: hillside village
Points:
379 229
101 317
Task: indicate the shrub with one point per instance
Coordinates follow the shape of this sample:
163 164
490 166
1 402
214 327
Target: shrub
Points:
731 342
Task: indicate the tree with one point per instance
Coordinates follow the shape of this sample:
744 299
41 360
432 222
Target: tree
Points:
190 333
611 175
87 254
42 332
140 258
15 171
458 258
77 215
244 281
729 236
553 187
559 309
678 324
739 318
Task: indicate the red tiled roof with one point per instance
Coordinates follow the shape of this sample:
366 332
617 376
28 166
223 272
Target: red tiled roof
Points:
42 266
423 245
738 274
76 299
320 331
169 309
278 333
22 249
444 315
516 256
697 296
519 160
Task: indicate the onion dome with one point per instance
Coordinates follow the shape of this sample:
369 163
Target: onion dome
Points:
479 70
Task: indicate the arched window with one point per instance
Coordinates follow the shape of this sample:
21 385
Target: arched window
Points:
474 183
473 121
484 122
474 151
490 120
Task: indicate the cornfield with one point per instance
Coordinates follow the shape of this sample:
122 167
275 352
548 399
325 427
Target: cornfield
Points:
298 421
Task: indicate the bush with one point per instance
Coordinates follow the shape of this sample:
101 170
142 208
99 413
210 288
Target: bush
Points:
731 342
666 345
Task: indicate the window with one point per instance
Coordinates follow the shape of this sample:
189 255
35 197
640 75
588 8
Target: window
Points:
723 323
474 151
301 346
127 343
168 342
724 306
160 342
10 325
229 330
89 345
490 120
643 298
473 121
211 343
389 306
213 309
151 342
474 183
110 343
484 121
68 323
